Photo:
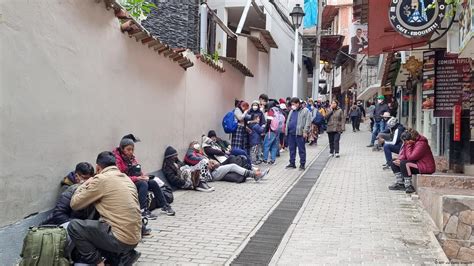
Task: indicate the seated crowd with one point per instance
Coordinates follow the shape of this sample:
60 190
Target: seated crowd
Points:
106 209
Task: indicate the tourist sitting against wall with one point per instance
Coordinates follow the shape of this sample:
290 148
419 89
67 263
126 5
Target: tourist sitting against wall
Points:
82 171
115 198
128 164
182 176
415 158
395 143
225 147
62 212
194 154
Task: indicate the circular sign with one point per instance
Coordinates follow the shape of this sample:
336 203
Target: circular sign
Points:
414 18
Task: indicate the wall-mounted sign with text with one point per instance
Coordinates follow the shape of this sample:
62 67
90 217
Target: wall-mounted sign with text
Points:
414 19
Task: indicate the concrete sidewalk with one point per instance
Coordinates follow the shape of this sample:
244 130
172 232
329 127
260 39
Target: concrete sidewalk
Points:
351 217
210 228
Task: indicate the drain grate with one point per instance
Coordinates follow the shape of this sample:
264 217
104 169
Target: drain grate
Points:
263 245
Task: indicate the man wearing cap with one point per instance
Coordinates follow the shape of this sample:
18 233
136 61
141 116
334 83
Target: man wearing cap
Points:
380 108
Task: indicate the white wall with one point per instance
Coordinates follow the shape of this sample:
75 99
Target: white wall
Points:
72 85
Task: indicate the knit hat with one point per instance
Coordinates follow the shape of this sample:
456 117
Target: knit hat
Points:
392 122
125 142
282 101
170 152
256 103
211 134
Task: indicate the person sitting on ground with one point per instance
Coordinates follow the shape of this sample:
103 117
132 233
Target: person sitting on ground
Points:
395 144
255 138
182 176
218 171
128 164
82 171
225 147
115 198
194 154
62 212
415 158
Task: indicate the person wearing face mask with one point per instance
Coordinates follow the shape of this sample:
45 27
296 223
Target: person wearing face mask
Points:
379 123
255 110
297 130
335 126
239 138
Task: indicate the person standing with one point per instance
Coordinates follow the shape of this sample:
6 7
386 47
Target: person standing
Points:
355 115
297 129
370 114
362 111
240 136
379 122
335 126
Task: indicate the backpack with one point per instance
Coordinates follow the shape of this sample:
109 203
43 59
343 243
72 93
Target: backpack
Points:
277 122
153 202
230 123
44 246
318 119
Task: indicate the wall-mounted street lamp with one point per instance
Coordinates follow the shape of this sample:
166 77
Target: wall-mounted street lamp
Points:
297 18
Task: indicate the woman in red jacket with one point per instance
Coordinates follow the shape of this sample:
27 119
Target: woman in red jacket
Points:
415 158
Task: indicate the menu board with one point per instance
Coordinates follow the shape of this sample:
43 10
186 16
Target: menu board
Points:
429 63
453 79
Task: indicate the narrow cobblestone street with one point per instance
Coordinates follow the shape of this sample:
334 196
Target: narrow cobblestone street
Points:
348 217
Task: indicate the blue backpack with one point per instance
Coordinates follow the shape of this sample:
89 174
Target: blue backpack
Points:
230 123
318 119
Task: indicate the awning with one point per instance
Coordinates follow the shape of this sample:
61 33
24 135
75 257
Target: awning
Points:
329 12
369 92
382 37
330 45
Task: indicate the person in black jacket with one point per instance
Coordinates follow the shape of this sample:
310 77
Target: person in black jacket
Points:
380 123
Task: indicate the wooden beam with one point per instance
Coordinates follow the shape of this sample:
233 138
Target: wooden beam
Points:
168 52
148 39
155 42
140 35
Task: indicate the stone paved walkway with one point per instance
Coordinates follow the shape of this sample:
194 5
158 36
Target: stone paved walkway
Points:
209 228
352 218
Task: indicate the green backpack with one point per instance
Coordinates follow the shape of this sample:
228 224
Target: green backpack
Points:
44 246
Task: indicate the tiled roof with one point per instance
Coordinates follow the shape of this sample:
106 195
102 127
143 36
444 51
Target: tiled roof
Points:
238 65
137 31
267 36
211 63
259 44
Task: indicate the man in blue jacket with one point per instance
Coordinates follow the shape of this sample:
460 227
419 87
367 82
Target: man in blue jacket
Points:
297 130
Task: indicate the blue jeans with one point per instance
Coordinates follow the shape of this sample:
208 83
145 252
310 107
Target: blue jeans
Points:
388 149
293 142
378 127
270 144
237 152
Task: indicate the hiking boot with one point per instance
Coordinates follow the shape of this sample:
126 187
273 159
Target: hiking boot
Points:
150 216
261 176
130 258
337 155
168 210
204 187
302 167
410 189
396 186
290 166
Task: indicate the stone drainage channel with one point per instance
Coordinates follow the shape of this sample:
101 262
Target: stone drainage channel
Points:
262 246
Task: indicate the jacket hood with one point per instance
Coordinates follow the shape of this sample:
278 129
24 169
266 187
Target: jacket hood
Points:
422 138
170 152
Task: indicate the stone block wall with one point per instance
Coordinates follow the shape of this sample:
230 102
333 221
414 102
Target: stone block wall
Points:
457 236
176 23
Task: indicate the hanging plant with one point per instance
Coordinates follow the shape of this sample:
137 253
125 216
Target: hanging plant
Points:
138 9
453 4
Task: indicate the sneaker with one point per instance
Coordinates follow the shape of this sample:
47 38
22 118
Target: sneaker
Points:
146 231
282 150
168 210
337 155
386 167
264 162
331 155
204 187
130 258
292 166
385 164
150 216
370 145
396 186
302 167
262 175
410 189
271 162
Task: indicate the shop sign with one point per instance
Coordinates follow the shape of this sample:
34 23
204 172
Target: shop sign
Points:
413 18
453 83
457 122
428 86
